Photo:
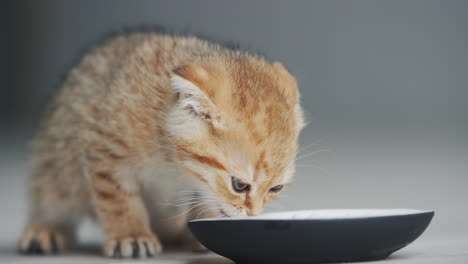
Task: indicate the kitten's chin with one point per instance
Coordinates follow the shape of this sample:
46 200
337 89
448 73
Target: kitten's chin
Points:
223 213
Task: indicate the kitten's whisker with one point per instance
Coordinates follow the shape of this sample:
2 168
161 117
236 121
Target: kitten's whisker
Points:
189 191
313 153
199 211
179 204
184 204
317 142
190 209
204 209
184 212
186 199
208 208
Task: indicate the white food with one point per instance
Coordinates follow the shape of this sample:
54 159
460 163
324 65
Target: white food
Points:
326 214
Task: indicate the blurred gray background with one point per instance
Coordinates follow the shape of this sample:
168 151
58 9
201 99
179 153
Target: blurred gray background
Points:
384 85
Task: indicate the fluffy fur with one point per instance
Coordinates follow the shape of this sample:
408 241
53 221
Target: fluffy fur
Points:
150 131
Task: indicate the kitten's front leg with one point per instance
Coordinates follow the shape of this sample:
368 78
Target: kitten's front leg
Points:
123 217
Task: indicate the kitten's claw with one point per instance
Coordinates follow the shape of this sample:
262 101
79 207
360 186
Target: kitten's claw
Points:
34 247
132 247
41 240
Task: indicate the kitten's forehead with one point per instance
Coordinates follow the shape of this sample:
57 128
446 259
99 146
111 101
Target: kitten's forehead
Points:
257 82
263 101
263 107
260 162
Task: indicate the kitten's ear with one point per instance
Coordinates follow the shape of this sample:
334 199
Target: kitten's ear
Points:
195 74
188 80
281 69
292 81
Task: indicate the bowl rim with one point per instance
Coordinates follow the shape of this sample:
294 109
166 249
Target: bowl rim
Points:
323 214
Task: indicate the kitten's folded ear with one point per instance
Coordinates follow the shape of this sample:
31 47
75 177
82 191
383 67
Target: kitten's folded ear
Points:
188 80
293 93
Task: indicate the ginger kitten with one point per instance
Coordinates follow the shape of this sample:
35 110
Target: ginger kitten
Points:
150 131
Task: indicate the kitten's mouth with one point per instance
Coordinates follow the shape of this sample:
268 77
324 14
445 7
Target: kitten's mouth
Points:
223 213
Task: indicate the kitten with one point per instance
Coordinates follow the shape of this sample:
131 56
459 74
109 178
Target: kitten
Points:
147 120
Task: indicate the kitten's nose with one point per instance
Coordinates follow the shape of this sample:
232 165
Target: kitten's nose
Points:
254 206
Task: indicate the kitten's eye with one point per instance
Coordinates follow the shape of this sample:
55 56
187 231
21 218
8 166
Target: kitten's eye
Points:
239 186
277 188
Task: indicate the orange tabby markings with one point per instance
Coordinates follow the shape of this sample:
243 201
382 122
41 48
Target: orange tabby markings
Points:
208 161
105 195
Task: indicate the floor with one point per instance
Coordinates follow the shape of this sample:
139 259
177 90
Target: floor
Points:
427 250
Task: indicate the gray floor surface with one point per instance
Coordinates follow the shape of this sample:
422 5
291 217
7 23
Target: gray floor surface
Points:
427 249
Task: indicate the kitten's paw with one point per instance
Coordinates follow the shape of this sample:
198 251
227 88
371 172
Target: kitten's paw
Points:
198 247
41 239
201 250
138 246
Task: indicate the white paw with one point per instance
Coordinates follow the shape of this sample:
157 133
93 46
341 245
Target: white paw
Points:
136 246
41 239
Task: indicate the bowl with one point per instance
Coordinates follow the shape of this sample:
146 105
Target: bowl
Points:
312 236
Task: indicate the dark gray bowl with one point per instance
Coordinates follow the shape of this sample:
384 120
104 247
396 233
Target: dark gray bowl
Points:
312 236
